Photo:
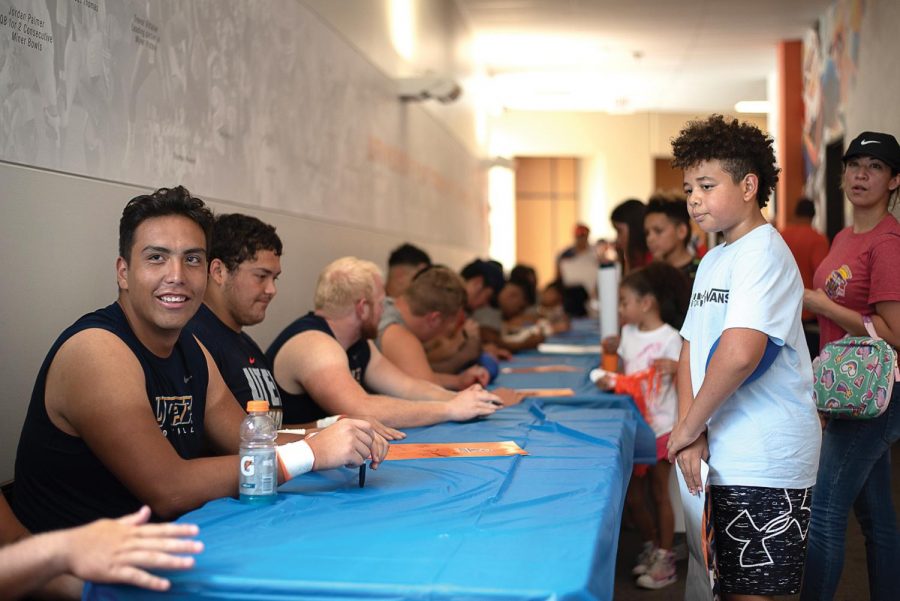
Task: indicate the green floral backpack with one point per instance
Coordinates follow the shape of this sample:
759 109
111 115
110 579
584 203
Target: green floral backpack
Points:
853 377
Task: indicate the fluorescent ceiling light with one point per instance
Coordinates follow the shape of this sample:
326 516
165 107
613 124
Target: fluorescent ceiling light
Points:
403 27
753 106
510 52
568 91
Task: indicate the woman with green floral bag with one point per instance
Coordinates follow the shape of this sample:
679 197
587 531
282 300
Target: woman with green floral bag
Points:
859 280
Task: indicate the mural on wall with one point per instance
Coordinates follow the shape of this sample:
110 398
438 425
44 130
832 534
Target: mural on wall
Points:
830 57
257 103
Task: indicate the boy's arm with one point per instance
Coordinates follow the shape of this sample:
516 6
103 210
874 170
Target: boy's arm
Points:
690 456
738 354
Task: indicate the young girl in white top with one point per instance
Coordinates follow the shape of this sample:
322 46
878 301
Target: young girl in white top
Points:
653 301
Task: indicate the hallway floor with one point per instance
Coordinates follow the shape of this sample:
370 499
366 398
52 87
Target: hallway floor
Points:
854 581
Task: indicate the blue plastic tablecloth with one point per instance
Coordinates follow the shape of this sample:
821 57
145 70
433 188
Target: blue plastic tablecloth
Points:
581 331
542 526
586 393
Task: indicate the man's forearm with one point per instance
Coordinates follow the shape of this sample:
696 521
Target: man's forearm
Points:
393 412
423 390
191 484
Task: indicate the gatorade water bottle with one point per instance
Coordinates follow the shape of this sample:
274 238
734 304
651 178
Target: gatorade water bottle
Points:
257 478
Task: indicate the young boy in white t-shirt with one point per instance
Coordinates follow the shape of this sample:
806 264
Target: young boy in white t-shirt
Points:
745 379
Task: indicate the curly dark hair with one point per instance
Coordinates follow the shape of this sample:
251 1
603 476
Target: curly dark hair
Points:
741 148
668 285
161 203
237 238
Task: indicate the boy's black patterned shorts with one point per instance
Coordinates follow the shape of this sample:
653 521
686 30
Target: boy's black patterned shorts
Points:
761 538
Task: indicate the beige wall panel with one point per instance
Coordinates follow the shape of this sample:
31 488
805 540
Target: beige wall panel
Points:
534 235
566 177
533 176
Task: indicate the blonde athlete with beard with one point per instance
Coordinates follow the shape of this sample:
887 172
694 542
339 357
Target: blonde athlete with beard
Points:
325 363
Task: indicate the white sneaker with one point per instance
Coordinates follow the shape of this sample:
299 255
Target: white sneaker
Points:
644 558
661 572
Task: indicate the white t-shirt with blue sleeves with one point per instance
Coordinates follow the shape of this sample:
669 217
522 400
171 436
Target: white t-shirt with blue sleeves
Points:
767 433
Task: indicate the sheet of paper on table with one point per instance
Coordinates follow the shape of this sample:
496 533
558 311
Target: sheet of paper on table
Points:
397 452
569 349
508 396
545 392
540 369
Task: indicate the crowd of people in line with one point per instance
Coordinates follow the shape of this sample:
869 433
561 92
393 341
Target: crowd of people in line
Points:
725 337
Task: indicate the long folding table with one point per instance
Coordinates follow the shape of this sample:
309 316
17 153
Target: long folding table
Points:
526 527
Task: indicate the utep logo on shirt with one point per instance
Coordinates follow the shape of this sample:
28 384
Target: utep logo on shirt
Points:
713 295
836 282
262 385
175 414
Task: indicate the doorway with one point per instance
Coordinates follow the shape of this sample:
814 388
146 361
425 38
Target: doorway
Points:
546 211
834 196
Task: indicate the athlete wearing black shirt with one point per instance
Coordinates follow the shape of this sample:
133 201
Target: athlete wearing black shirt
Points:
97 393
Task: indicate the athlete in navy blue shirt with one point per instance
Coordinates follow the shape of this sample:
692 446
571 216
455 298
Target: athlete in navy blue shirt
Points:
244 263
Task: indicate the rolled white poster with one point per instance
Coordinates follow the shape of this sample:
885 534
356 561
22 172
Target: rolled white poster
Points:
608 293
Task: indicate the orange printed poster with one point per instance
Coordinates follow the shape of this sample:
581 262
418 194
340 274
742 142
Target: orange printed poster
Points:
397 452
540 369
545 392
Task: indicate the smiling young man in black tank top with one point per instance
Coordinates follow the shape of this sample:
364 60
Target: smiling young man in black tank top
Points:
126 402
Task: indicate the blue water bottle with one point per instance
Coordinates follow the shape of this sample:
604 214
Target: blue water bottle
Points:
257 476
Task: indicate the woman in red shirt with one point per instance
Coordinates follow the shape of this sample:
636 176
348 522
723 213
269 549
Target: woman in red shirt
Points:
859 277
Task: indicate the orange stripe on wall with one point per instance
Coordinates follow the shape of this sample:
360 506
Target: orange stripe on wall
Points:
790 129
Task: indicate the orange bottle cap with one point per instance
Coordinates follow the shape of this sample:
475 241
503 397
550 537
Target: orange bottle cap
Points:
256 406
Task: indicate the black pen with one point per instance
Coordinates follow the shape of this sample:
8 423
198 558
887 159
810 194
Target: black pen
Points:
362 475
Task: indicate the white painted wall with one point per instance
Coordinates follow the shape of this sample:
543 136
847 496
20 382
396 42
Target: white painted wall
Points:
58 224
58 243
616 151
440 45
872 103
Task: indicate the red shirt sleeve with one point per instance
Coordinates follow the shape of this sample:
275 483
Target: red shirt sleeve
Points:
885 276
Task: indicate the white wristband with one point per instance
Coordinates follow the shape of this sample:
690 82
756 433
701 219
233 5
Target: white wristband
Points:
294 459
327 421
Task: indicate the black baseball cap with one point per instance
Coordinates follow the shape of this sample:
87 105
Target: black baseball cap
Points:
875 144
